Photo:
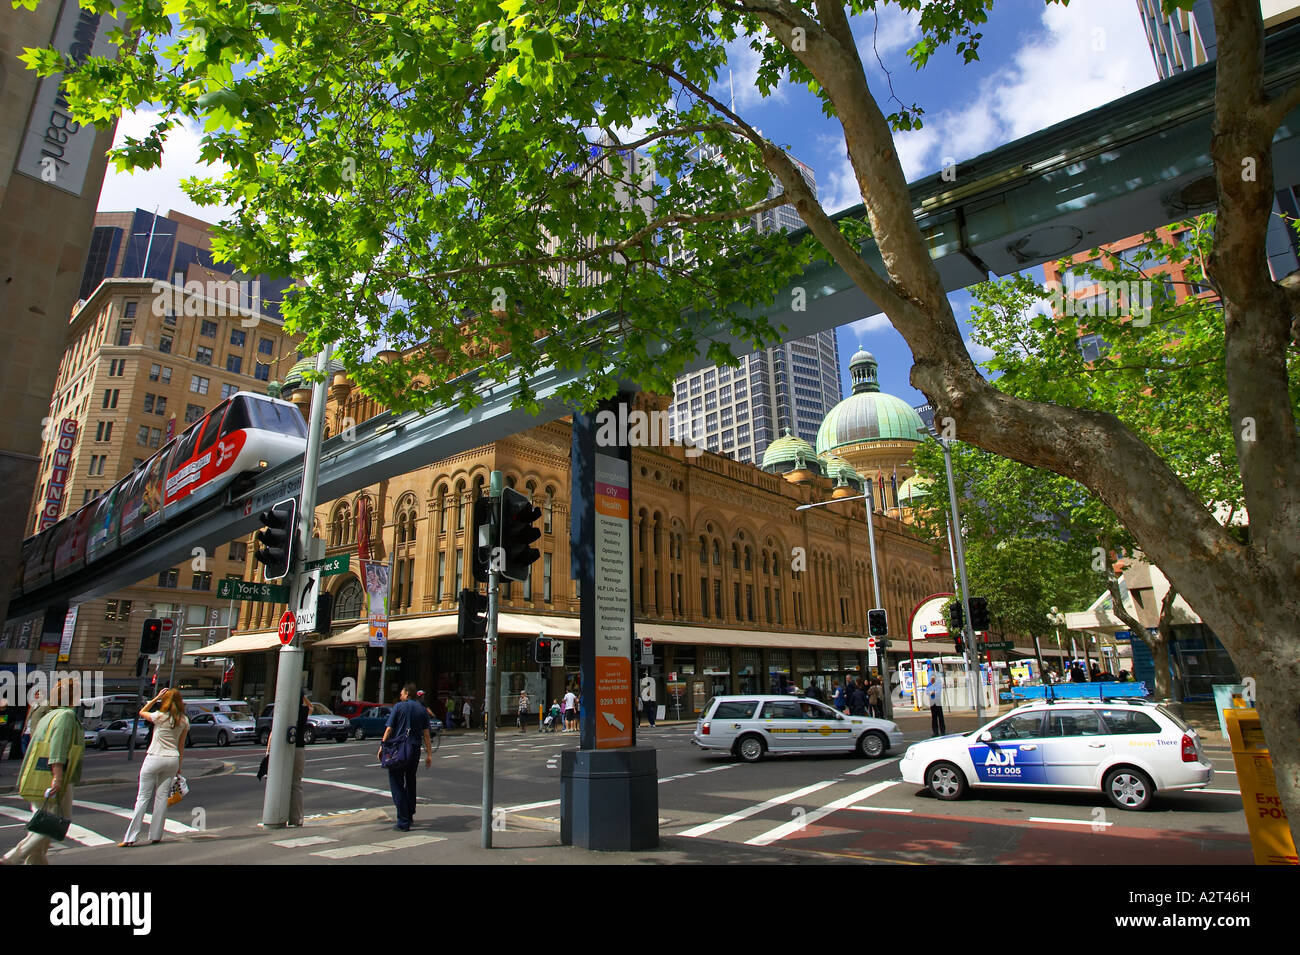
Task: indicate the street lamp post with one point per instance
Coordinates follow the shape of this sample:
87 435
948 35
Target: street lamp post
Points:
875 582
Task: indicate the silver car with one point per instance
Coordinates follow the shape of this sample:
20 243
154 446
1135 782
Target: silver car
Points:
221 728
751 726
118 732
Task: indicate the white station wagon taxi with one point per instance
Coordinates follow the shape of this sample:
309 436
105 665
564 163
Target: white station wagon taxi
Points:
751 726
1129 749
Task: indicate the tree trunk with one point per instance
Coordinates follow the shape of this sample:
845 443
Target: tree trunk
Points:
1157 643
1162 643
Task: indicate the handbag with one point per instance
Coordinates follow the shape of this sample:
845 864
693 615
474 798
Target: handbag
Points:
399 752
180 789
261 769
46 823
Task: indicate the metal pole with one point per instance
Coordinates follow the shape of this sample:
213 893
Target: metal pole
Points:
965 592
952 556
875 593
288 685
495 484
171 677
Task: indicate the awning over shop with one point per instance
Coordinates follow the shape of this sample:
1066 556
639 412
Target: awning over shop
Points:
714 636
240 643
444 625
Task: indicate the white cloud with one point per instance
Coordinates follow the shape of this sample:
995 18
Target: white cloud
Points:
145 189
1083 56
980 353
865 326
890 31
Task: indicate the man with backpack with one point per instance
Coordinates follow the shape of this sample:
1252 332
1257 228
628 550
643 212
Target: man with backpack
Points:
399 751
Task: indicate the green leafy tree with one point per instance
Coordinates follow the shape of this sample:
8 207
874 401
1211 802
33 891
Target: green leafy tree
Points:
448 174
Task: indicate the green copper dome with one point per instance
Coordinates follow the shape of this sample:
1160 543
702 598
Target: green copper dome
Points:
840 471
293 379
913 489
790 453
867 414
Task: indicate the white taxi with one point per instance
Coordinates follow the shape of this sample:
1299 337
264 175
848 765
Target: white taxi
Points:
753 725
1129 749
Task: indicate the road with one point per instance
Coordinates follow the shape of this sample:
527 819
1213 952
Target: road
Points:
835 807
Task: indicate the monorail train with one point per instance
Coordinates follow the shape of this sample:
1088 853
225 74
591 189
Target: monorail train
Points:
244 434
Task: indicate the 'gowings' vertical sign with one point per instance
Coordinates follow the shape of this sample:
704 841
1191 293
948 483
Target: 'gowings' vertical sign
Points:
613 598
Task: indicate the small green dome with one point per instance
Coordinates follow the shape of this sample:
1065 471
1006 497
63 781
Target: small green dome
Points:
840 471
293 379
867 414
791 453
914 488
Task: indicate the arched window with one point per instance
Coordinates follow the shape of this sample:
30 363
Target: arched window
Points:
704 551
460 505
339 522
442 509
347 600
548 507
749 558
717 554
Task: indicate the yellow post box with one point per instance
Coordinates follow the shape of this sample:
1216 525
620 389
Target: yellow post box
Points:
1270 836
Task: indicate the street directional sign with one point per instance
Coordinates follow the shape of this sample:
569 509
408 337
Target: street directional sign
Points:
996 645
338 564
230 589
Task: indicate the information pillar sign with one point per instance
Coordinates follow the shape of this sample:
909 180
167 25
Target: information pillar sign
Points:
613 598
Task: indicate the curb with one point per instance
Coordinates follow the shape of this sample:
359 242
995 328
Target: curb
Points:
221 768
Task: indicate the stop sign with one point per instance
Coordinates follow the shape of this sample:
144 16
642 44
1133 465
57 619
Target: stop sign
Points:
288 627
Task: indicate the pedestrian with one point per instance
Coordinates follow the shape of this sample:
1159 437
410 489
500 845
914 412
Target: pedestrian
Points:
857 701
162 764
570 711
814 691
556 718
934 694
648 698
837 696
467 712
522 708
407 719
876 700
36 711
51 769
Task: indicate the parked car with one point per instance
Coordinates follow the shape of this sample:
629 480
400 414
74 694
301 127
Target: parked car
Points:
221 728
351 709
753 725
118 732
1128 749
321 724
371 722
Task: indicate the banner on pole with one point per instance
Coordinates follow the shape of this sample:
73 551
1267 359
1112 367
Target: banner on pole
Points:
376 583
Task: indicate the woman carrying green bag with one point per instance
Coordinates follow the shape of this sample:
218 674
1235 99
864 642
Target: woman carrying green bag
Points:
51 769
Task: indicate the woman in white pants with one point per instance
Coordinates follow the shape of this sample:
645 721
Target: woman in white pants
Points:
161 764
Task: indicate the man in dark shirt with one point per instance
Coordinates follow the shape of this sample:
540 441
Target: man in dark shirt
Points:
411 717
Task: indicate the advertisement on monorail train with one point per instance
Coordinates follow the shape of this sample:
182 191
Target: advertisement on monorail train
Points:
205 466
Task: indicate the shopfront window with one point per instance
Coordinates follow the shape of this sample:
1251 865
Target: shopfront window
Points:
778 671
748 675
717 670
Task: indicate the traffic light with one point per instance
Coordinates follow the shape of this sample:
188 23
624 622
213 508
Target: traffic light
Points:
276 539
956 617
636 650
485 537
472 622
324 613
959 644
979 614
542 649
518 533
150 637
877 623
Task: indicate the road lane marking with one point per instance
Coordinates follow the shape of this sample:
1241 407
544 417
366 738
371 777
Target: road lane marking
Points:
349 852
338 785
532 805
1072 822
303 841
1221 792
408 842
876 809
753 810
170 825
717 769
75 832
870 766
795 825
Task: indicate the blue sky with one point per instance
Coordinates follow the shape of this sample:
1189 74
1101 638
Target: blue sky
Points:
1038 65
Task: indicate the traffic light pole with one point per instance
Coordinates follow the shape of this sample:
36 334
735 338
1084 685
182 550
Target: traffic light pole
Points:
288 680
495 483
977 687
